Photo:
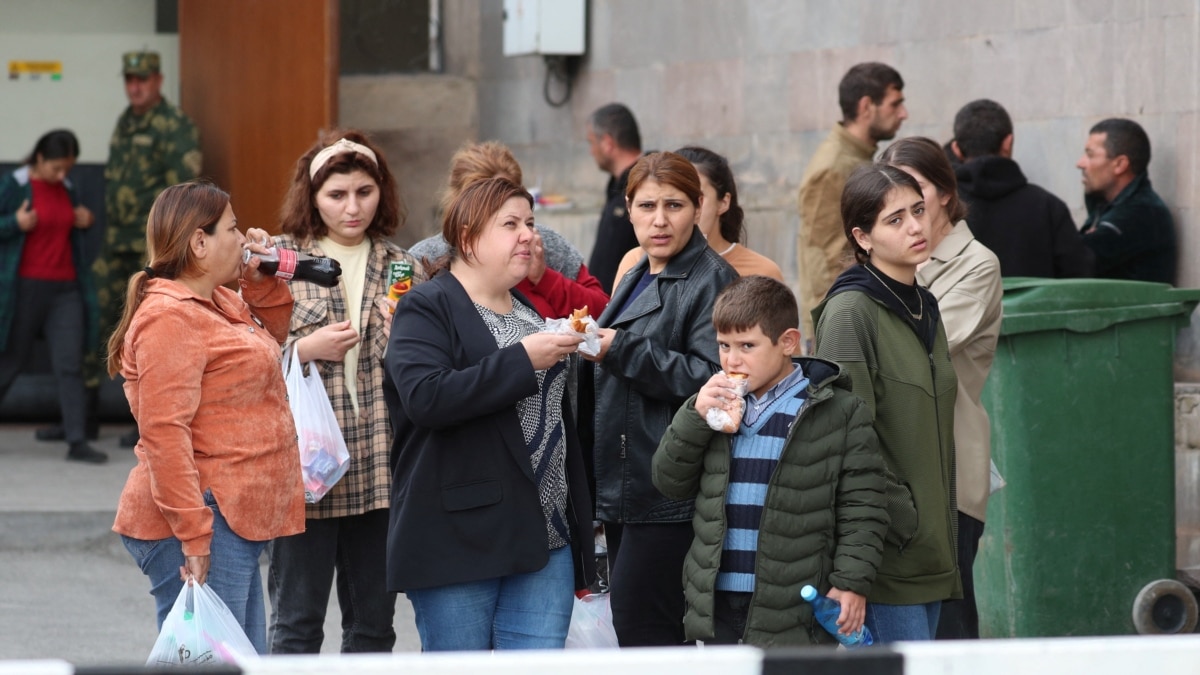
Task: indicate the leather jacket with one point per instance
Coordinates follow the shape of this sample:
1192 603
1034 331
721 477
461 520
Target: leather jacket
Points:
664 350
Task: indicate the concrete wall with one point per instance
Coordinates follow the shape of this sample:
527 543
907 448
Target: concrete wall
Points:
757 79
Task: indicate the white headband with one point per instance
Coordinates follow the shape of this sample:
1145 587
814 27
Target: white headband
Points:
338 148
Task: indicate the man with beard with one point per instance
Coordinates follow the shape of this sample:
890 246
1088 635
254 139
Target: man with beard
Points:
1128 226
872 102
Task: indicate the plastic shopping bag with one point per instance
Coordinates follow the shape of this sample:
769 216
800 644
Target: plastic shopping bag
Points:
200 629
591 624
323 455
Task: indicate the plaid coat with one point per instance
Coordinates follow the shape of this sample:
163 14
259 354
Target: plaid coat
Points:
366 485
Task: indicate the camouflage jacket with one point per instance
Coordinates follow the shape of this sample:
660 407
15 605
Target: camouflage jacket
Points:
147 153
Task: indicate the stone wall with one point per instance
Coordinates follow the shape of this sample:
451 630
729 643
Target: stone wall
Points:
757 79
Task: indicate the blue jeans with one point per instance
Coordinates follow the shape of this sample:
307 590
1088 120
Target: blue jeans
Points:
302 572
233 574
519 611
900 623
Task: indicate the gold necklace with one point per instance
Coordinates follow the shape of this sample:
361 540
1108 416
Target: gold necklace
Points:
920 300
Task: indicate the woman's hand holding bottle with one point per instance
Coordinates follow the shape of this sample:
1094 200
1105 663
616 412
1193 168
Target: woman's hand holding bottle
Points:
257 241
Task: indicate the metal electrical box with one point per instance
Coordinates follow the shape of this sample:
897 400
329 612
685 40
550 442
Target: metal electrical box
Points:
544 27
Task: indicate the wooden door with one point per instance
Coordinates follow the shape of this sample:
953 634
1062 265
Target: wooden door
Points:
259 78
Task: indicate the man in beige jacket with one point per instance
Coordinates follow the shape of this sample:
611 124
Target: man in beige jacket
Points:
872 101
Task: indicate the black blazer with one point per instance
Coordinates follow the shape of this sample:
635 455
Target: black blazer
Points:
464 503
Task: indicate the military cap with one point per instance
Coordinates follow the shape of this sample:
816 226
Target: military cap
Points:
141 64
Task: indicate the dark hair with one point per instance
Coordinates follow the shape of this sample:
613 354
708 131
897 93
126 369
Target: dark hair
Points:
666 168
865 196
1125 137
468 212
756 301
926 157
57 144
178 211
980 128
617 121
866 79
299 215
716 169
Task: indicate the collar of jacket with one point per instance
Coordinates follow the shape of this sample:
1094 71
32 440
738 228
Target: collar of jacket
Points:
823 375
23 175
960 238
677 268
134 122
853 144
1095 202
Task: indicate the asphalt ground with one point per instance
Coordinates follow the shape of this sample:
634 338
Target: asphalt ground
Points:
68 588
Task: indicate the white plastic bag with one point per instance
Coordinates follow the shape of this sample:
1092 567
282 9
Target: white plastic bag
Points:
591 624
323 454
591 338
200 629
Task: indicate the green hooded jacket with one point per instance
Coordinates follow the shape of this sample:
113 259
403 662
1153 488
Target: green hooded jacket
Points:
823 518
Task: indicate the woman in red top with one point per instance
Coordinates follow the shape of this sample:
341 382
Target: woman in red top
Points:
46 286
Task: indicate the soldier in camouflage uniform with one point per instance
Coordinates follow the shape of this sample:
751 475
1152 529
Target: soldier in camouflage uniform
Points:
153 147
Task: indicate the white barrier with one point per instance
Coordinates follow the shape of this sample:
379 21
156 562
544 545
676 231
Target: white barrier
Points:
670 661
1115 655
36 668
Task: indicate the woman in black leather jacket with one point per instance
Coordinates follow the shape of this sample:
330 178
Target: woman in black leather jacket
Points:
658 348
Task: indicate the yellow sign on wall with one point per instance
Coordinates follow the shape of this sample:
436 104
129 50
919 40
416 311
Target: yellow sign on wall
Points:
35 70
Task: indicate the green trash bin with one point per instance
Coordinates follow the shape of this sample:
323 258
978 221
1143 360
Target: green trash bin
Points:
1081 541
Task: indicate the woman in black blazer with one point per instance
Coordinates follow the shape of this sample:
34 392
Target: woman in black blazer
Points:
490 523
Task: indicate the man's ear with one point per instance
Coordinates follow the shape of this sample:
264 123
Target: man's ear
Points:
1006 146
864 107
957 151
790 341
1120 165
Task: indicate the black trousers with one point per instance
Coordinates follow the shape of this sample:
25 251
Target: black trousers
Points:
646 569
302 574
54 310
960 618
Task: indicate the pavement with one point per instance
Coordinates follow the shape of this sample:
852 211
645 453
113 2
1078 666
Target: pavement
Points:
68 588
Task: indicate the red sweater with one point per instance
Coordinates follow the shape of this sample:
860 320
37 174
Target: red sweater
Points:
46 254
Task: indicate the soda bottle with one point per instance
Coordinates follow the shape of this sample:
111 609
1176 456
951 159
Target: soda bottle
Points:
826 611
287 264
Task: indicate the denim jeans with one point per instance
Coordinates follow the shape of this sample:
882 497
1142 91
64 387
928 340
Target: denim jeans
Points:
233 574
302 573
901 623
519 611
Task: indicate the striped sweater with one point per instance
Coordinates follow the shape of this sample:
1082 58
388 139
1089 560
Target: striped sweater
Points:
756 451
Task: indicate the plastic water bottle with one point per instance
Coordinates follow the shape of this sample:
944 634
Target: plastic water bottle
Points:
827 612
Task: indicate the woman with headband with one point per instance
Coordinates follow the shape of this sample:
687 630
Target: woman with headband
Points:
343 203
218 472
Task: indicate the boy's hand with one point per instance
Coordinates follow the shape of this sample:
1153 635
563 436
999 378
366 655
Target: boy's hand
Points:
854 610
718 392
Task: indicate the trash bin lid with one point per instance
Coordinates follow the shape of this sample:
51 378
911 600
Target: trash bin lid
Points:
1088 305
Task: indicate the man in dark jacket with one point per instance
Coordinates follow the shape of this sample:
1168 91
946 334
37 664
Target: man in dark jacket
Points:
1029 229
616 145
1128 226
